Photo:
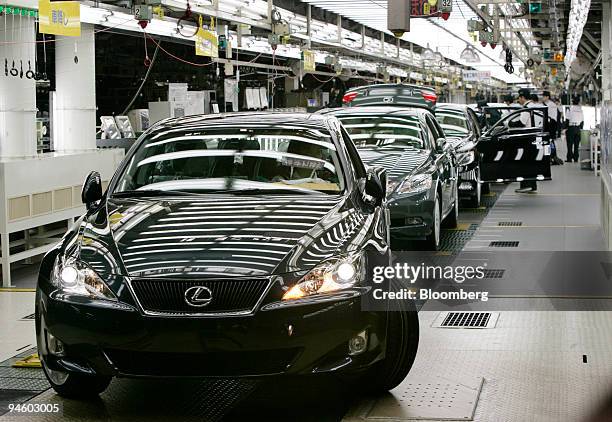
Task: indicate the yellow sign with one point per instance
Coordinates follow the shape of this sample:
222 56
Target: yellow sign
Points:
426 9
206 43
59 18
308 58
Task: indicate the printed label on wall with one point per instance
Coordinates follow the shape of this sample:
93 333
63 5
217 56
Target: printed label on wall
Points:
206 43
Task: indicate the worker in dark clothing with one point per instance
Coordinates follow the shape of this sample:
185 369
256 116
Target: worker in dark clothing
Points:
575 123
524 99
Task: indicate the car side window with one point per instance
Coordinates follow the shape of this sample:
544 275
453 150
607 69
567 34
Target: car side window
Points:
475 127
428 135
434 132
360 170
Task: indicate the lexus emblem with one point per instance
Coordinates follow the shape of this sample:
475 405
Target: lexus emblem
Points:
387 99
198 296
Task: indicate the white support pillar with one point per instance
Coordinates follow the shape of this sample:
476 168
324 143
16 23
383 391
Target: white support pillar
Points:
17 93
74 114
606 50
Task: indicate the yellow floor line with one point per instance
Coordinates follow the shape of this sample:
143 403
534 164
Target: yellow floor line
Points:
546 227
460 227
15 289
556 194
31 361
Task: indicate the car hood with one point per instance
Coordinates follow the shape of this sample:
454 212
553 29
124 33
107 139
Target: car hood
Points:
220 235
399 163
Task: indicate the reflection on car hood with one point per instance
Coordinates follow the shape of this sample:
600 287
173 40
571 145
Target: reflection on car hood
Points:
399 163
221 235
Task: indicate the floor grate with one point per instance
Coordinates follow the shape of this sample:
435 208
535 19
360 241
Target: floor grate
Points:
504 244
493 273
510 223
468 320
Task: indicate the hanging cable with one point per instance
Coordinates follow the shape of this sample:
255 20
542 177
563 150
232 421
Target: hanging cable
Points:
176 57
144 80
509 67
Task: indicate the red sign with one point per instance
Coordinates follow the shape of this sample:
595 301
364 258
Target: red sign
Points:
419 8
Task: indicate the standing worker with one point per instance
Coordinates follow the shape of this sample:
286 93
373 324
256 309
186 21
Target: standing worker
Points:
575 118
524 99
553 122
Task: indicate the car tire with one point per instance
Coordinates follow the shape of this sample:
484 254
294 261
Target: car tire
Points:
75 386
475 199
401 351
452 219
69 385
485 189
432 242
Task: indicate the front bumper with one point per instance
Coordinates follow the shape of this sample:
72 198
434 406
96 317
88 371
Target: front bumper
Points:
122 341
411 216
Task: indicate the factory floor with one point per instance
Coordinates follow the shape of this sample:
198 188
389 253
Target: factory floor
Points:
544 356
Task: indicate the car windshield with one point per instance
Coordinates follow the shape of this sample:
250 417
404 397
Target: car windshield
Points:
453 123
221 159
387 131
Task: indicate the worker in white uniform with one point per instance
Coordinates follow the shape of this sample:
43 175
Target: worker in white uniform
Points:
553 124
524 99
575 121
538 118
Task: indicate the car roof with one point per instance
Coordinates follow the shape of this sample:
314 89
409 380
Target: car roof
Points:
309 120
391 86
452 106
397 110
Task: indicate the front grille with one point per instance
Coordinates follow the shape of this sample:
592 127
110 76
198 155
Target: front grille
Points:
227 295
226 363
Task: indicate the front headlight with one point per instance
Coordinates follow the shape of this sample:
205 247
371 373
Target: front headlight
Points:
465 159
74 277
414 184
330 276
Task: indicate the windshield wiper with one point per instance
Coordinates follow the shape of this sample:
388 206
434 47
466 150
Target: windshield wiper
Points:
152 192
264 190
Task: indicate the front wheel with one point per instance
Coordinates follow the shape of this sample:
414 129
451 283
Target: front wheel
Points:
74 386
432 242
402 346
475 199
452 219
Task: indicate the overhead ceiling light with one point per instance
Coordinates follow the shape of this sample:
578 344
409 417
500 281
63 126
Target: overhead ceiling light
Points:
470 55
428 54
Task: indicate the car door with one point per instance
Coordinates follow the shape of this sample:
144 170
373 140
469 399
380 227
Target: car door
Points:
444 162
512 151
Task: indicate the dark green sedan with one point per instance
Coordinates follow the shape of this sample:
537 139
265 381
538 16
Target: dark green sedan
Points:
422 177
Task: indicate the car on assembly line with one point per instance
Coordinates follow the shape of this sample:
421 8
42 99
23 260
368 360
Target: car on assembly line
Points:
241 244
460 124
422 178
390 95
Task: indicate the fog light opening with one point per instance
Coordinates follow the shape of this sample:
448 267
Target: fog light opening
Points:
414 221
54 345
466 186
358 344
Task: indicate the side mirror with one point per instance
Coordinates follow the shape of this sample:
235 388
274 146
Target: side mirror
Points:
442 145
374 191
92 189
497 130
466 147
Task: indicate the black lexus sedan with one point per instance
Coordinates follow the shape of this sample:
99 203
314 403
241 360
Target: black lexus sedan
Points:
460 124
241 244
410 144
